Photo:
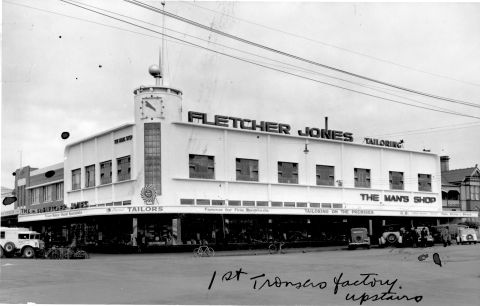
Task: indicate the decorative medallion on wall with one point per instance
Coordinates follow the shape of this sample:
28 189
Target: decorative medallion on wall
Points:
148 194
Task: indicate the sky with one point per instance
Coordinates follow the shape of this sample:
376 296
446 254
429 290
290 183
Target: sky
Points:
68 69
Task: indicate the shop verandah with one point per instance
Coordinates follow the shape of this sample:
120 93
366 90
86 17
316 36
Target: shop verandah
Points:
178 232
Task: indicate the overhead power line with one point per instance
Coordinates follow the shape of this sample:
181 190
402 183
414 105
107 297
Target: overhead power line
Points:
264 66
194 23
195 4
430 130
298 68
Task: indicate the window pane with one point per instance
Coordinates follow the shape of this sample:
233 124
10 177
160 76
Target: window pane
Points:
247 169
325 175
201 166
123 168
75 179
90 176
424 182
396 180
287 172
106 172
362 177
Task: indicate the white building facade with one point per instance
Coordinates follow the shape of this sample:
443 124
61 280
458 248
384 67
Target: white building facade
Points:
188 176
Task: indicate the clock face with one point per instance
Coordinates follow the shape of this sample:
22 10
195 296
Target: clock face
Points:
151 107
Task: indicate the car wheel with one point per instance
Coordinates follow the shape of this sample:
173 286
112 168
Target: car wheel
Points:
28 252
9 247
1 252
272 249
392 238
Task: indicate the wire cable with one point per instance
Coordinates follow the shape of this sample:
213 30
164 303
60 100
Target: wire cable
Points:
430 130
154 9
291 65
195 4
265 66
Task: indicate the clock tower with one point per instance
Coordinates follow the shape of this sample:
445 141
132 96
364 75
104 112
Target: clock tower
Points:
156 107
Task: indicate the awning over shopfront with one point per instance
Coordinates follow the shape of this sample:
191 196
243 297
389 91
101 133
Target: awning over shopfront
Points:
135 210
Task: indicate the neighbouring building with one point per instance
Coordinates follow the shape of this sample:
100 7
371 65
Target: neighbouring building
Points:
460 187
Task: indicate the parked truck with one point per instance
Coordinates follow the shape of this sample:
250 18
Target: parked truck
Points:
20 241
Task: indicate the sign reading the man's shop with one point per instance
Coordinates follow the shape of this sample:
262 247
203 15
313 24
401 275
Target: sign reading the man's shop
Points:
375 197
123 139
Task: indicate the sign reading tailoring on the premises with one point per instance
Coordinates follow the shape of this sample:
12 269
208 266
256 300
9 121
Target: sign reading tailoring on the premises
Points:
282 128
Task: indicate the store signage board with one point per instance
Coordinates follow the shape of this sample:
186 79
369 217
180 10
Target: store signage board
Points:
375 197
134 210
11 212
284 128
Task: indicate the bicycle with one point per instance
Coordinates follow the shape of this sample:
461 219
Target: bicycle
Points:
276 247
203 251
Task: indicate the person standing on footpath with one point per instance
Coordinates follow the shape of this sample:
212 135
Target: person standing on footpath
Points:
423 236
446 239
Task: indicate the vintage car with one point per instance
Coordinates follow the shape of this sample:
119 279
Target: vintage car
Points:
467 235
18 240
358 238
453 230
391 235
429 241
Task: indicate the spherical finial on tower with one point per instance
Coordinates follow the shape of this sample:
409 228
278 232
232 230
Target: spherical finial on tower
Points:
155 71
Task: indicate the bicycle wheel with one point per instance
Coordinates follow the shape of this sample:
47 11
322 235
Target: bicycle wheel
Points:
68 254
272 249
81 254
55 254
210 252
195 252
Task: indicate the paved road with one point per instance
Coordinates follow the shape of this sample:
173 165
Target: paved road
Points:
293 278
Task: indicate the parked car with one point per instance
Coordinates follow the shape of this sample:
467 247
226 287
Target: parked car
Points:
453 229
391 235
467 235
18 240
430 240
358 238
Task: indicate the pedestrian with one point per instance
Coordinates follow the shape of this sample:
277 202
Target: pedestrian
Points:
423 235
446 239
414 237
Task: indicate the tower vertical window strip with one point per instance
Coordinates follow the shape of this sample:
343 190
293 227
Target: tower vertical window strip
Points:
152 155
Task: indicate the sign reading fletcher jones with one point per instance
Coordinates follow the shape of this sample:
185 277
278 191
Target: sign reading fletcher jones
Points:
269 127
